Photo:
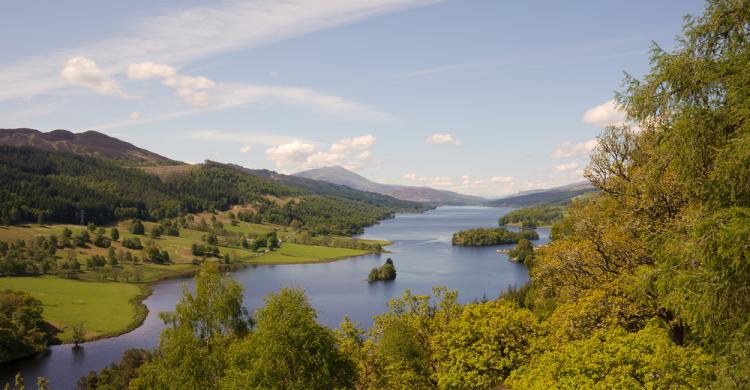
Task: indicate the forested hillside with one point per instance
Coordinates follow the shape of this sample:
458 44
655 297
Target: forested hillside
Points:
37 185
646 285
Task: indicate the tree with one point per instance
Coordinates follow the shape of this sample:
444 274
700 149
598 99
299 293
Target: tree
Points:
373 276
479 348
82 238
523 251
192 350
78 334
272 241
112 257
645 359
102 241
136 227
387 272
288 349
22 328
114 234
156 231
116 375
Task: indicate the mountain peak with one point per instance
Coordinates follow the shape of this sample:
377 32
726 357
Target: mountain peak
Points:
342 176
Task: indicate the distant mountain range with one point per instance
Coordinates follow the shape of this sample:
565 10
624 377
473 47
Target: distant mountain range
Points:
333 181
88 143
556 195
342 176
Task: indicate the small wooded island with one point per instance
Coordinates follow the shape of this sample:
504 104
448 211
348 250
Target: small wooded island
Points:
492 236
387 272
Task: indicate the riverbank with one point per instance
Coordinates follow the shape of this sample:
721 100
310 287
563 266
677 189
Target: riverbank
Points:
68 302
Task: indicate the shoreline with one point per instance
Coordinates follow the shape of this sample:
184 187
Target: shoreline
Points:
142 310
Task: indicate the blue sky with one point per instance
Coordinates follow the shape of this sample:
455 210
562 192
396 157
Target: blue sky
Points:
484 97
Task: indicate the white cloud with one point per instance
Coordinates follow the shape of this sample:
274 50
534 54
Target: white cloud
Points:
184 36
566 167
135 115
605 114
351 153
196 98
188 82
246 149
572 149
442 139
244 94
501 179
247 137
291 154
430 181
83 72
149 70
190 88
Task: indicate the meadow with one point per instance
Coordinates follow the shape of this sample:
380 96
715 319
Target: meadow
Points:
105 308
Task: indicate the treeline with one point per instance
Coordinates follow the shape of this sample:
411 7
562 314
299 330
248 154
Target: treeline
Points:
492 236
39 186
337 242
531 217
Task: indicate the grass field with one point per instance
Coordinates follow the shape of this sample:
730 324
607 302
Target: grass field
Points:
104 308
297 253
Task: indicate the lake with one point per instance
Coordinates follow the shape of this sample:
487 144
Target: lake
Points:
422 253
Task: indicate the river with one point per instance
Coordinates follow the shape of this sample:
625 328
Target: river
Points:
422 253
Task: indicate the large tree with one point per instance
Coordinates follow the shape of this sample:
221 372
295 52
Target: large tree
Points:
288 349
192 352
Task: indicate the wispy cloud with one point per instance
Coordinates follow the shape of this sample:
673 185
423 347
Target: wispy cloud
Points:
173 38
573 149
443 139
229 96
566 167
602 51
245 137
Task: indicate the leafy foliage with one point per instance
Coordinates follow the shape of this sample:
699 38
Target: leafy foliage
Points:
23 332
538 215
385 272
492 236
617 359
287 350
192 349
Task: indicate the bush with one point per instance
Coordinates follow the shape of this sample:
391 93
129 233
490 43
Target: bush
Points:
136 227
132 243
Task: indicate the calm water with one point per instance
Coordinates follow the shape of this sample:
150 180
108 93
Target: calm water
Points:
422 253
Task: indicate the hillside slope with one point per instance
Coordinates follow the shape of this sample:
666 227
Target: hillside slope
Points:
88 143
56 186
551 196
